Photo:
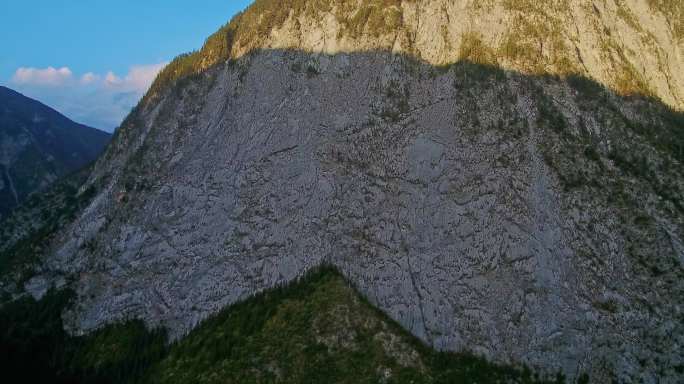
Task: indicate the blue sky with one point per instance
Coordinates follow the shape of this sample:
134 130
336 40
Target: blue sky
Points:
92 60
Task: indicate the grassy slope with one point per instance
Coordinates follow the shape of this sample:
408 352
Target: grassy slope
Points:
315 330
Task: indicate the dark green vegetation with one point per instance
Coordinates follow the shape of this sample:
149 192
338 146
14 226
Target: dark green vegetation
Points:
26 233
316 330
35 348
39 146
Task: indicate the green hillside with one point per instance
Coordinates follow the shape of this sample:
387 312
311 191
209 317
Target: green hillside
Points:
317 330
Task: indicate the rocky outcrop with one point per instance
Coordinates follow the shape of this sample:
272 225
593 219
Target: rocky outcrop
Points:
529 218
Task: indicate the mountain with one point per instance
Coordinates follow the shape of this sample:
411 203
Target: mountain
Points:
501 176
38 145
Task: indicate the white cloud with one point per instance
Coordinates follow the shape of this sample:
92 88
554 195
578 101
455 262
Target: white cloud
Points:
101 101
47 77
89 78
112 80
142 76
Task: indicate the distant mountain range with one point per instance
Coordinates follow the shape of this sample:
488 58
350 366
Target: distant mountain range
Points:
38 145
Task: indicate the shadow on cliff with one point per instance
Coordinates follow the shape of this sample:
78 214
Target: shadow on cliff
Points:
657 123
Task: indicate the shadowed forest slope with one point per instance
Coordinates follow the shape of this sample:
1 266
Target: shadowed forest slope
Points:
312 331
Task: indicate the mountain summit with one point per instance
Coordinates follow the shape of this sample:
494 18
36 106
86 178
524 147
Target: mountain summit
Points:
632 46
503 177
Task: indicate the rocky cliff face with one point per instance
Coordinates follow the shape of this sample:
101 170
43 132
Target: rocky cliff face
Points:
483 199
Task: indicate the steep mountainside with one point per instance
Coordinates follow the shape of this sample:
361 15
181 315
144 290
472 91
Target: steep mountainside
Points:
500 176
38 145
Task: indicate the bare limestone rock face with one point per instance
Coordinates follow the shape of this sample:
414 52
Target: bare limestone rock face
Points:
530 218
